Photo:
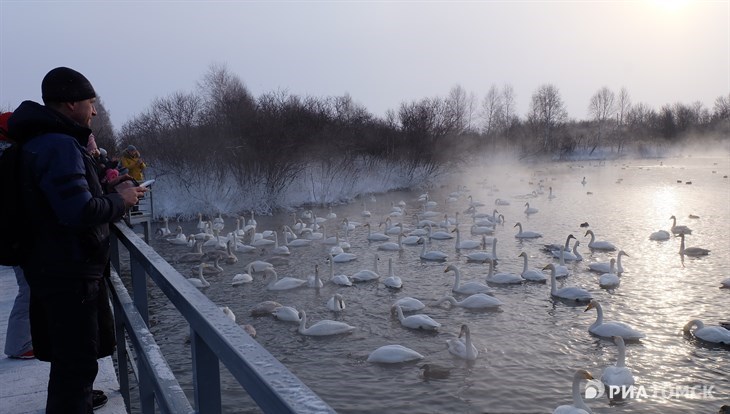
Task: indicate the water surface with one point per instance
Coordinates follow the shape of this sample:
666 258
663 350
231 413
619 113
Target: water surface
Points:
531 347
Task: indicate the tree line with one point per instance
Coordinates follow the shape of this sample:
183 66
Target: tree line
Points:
221 129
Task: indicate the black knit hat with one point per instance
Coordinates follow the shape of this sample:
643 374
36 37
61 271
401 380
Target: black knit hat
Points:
66 85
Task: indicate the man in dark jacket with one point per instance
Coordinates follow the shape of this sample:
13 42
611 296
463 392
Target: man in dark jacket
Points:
69 215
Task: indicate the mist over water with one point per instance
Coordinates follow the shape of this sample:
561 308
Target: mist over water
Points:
530 348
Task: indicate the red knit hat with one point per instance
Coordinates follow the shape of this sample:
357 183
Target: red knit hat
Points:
4 125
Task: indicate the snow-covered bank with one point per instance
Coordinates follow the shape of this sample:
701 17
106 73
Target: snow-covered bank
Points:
187 193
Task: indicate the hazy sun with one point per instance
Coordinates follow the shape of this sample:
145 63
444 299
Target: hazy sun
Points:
671 5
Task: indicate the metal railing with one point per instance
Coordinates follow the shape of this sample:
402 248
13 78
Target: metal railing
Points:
214 339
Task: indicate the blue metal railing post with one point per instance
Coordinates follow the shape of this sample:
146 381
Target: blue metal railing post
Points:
206 376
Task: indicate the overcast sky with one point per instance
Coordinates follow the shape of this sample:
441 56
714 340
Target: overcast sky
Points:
381 53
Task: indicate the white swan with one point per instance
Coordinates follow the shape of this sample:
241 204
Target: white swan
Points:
556 248
714 334
434 255
418 321
691 251
199 282
241 278
530 210
179 238
610 279
393 354
483 256
374 236
287 314
296 242
569 293
344 257
609 329
164 231
280 250
532 275
466 244
314 281
605 267
599 245
281 284
578 407
392 281
331 215
438 235
324 327
474 302
573 255
367 274
477 230
393 246
551 195
340 279
561 270
660 235
502 278
409 304
618 376
526 234
463 348
468 288
676 230
258 266
336 303
501 202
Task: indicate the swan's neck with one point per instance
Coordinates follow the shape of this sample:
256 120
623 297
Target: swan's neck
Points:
400 313
577 398
390 267
519 227
599 317
681 244
593 238
612 266
494 248
562 258
621 362
303 322
490 273
457 278
524 265
553 283
458 238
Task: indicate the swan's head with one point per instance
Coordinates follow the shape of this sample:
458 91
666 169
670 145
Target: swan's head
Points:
523 254
621 252
464 330
591 305
672 218
394 309
549 266
583 374
570 236
694 322
518 224
588 232
455 230
421 240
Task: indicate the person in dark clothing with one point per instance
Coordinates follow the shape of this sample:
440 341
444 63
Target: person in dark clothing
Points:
71 321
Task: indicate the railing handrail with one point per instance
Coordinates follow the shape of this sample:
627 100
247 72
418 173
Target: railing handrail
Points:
214 337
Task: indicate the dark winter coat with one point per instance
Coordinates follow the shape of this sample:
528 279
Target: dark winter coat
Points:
68 213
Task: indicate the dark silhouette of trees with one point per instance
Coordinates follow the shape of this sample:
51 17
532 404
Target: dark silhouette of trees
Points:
221 135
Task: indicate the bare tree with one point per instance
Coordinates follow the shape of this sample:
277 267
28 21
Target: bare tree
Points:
492 114
103 129
458 110
602 105
547 113
623 104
